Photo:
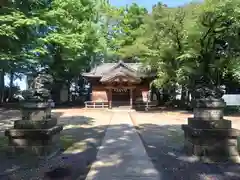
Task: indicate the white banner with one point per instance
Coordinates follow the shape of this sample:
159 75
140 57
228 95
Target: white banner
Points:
232 99
145 96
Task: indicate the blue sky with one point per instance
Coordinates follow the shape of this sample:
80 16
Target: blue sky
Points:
145 3
148 3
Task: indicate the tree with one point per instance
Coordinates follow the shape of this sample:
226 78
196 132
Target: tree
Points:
215 35
71 39
160 44
120 29
191 42
19 21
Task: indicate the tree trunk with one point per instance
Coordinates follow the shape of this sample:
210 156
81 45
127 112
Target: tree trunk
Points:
69 92
10 95
184 95
2 85
159 97
156 90
166 96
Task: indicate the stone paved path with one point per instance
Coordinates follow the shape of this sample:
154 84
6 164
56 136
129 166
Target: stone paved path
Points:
122 154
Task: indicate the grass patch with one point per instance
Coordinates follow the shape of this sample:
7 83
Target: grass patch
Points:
71 145
239 143
3 143
67 141
77 147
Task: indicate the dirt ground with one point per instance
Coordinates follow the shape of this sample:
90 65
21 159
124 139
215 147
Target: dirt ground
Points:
163 138
80 138
84 130
170 117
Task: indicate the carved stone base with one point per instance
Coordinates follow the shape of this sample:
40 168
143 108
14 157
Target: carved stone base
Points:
36 110
209 124
40 124
208 109
39 142
212 145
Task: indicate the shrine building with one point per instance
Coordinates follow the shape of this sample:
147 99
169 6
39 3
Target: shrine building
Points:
118 84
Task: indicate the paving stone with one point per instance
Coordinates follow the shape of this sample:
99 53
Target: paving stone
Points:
122 155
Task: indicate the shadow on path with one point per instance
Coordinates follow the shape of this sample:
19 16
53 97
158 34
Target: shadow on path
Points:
79 141
164 145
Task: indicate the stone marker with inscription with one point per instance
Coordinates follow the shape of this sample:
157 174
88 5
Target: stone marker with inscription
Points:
37 131
208 135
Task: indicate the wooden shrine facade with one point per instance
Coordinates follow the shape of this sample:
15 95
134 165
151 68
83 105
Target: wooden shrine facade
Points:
118 84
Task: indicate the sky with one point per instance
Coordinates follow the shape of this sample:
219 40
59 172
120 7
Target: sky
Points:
148 3
145 3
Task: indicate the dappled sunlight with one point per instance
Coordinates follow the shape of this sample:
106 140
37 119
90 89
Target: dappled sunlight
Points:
7 114
238 143
70 126
6 124
105 166
82 138
149 171
190 159
111 160
164 144
124 138
7 118
75 148
79 140
232 174
109 141
122 154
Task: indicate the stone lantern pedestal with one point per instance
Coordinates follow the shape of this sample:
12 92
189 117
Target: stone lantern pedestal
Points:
208 135
36 132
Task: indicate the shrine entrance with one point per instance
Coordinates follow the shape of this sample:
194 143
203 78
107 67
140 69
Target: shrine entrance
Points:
119 85
120 97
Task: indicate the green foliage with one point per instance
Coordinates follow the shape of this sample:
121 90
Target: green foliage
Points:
17 32
71 40
121 29
66 37
198 39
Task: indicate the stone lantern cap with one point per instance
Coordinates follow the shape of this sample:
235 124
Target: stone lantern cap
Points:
208 103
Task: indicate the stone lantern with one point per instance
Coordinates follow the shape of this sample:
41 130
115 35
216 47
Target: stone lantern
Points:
208 135
37 130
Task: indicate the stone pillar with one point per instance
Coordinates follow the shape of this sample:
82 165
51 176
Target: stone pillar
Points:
131 97
208 135
110 98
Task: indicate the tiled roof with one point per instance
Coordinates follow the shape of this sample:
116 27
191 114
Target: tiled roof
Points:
98 71
120 72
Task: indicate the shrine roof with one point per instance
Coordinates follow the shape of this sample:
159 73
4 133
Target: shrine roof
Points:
108 68
123 74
